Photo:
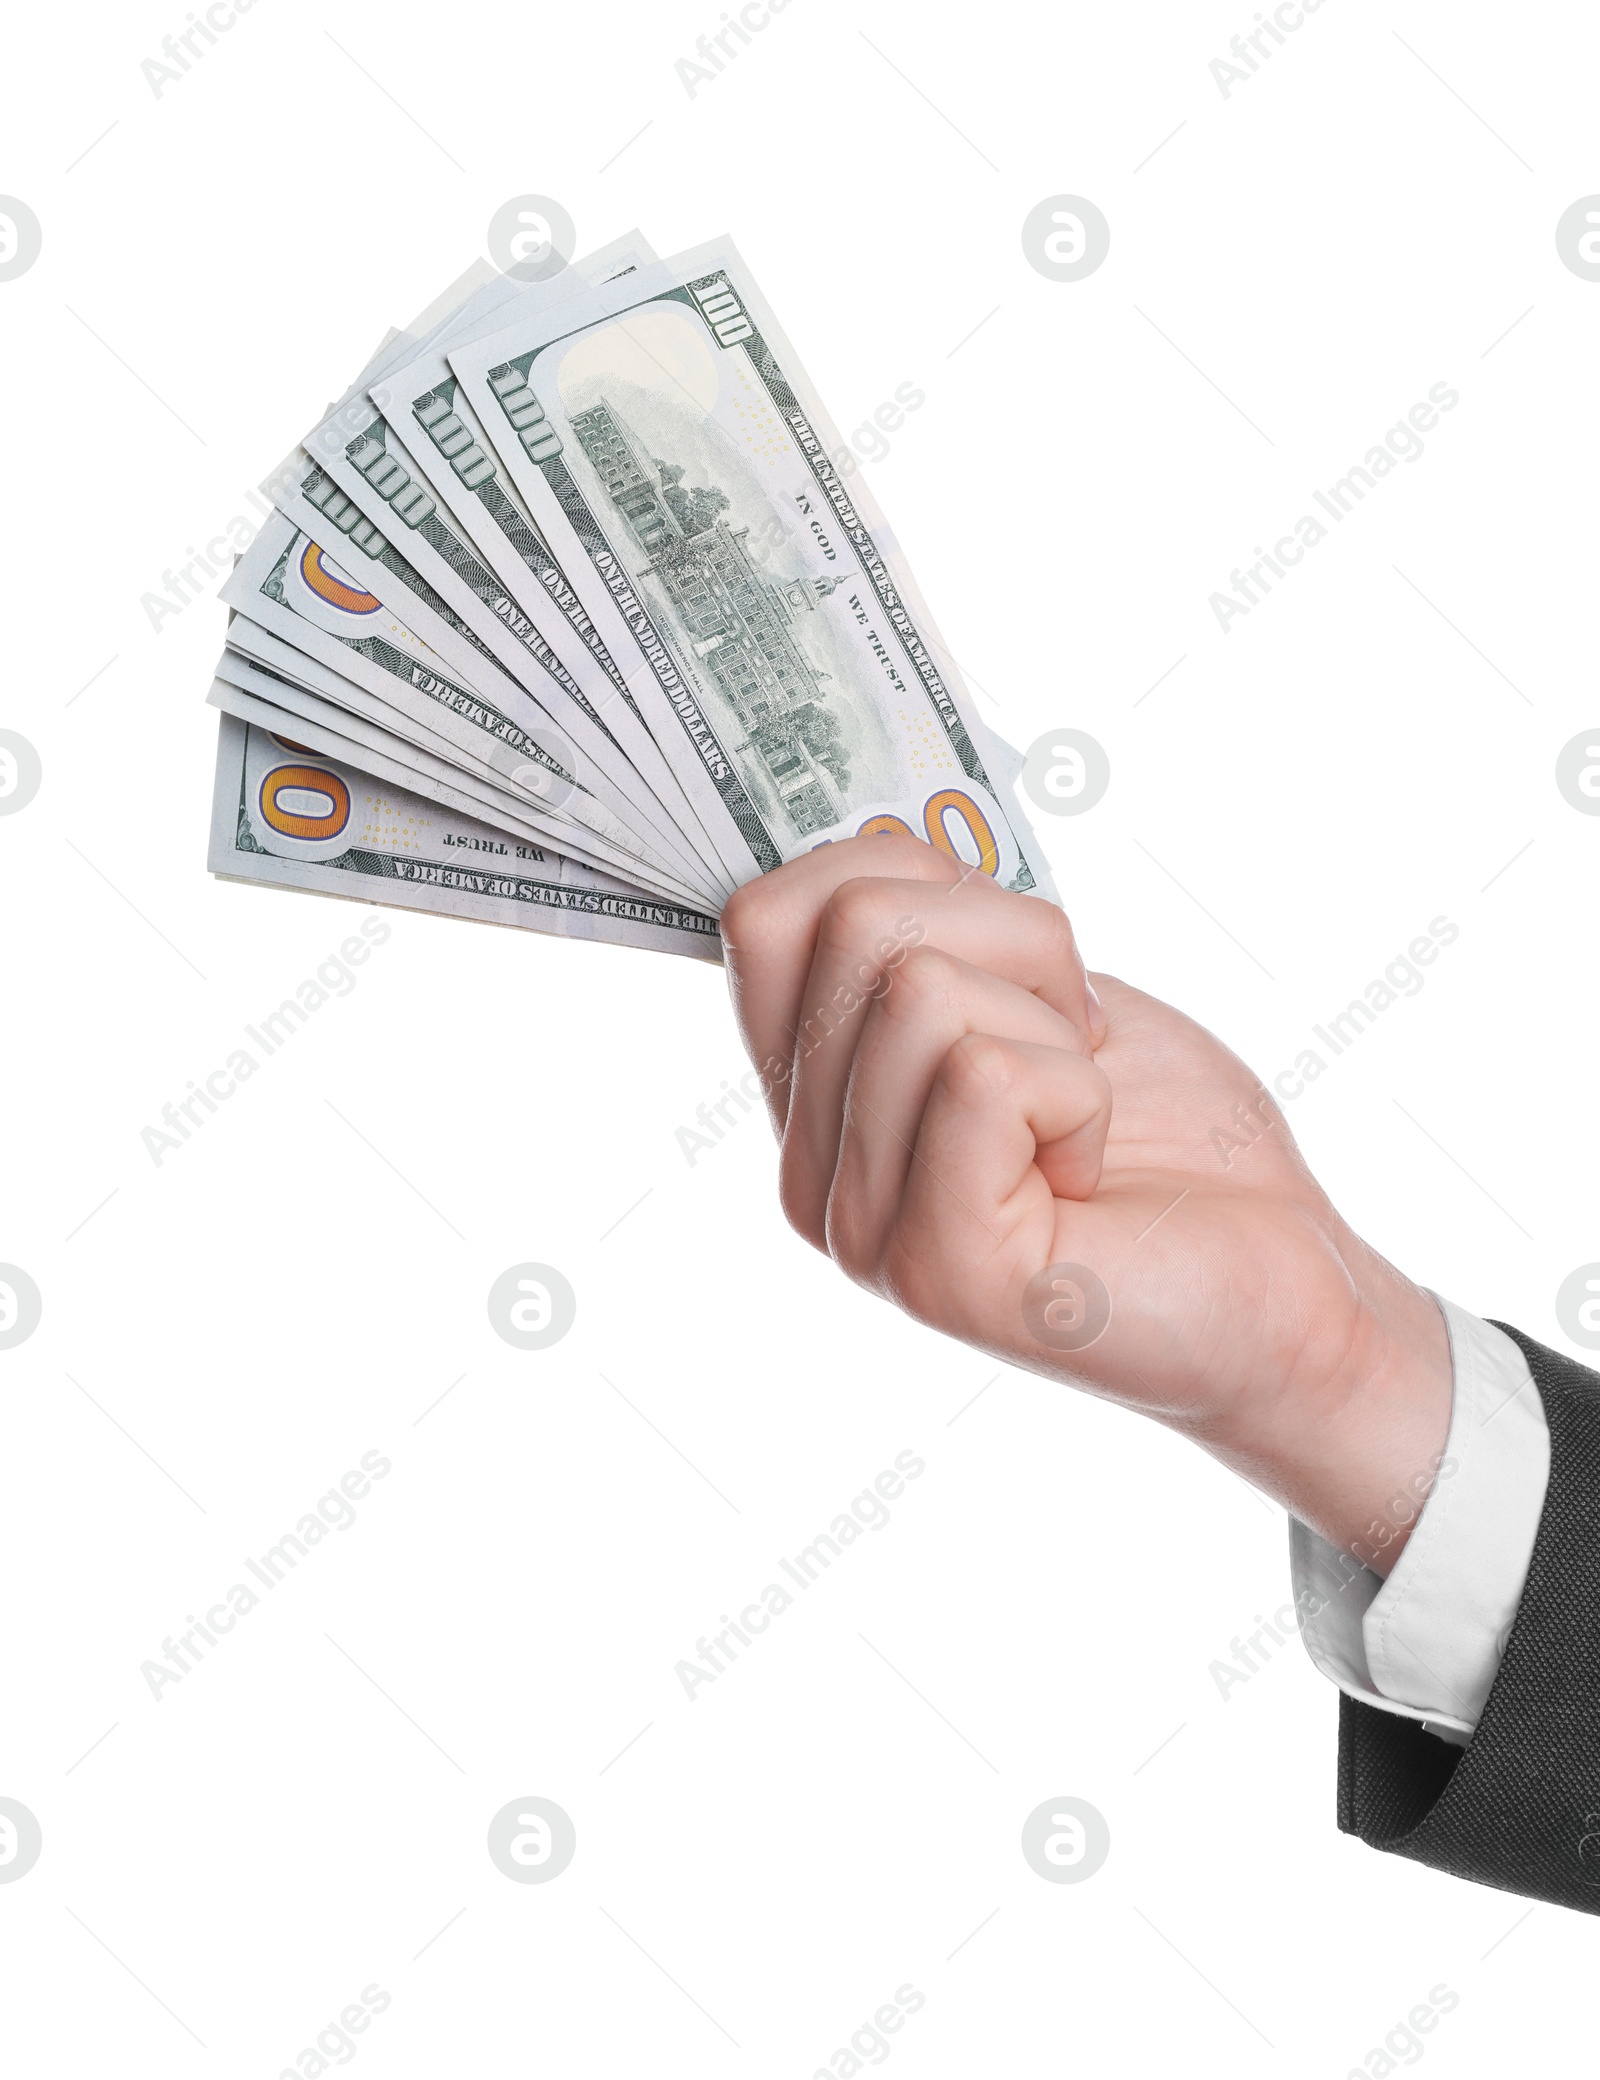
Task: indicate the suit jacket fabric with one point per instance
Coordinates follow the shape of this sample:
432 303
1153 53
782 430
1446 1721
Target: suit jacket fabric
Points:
1519 1806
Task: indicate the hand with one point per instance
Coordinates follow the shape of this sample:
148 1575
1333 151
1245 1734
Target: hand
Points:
960 1109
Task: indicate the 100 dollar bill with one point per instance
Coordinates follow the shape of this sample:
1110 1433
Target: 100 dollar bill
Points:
674 456
401 510
287 584
293 818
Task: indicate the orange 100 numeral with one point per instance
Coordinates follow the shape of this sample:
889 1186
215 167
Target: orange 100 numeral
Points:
313 780
950 802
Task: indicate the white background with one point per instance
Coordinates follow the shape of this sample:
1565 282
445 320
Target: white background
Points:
762 1868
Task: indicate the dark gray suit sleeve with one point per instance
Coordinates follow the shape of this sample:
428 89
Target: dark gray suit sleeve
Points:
1519 1806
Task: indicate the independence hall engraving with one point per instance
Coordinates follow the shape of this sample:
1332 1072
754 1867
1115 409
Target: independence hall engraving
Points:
738 622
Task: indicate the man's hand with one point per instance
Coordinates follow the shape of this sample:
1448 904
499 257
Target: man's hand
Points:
962 1113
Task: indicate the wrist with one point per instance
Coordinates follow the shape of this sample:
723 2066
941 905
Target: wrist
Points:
1357 1443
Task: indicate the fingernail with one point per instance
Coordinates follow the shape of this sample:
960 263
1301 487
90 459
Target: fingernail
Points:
1097 1011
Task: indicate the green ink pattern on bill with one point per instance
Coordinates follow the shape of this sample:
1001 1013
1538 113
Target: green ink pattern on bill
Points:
580 574
296 819
671 451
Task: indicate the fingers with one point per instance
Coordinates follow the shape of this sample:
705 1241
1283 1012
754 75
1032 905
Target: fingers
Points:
769 930
1009 1129
872 934
857 1101
1002 1111
809 945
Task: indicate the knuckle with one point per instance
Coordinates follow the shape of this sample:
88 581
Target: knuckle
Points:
849 1239
913 1281
976 1069
1061 941
868 925
749 912
798 1198
899 853
924 981
852 912
800 1211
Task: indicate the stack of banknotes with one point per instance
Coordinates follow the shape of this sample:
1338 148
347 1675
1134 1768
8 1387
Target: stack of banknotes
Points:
575 614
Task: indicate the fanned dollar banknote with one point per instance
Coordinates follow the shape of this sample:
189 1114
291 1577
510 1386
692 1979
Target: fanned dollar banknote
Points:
575 614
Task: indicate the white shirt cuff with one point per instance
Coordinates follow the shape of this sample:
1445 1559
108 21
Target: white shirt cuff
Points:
1427 1642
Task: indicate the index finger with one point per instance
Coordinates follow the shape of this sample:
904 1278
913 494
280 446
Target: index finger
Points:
771 930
